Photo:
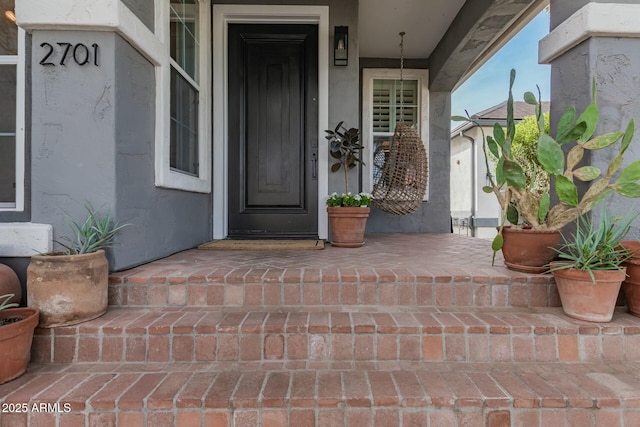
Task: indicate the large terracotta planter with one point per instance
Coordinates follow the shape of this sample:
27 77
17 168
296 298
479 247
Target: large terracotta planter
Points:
528 250
631 285
584 300
68 289
347 226
15 342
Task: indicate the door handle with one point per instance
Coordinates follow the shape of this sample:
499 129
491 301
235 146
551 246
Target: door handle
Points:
314 165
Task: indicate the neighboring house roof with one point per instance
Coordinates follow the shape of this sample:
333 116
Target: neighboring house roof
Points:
498 113
520 110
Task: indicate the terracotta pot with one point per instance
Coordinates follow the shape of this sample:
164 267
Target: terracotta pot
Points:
347 226
68 289
632 246
631 285
10 284
584 300
528 250
15 342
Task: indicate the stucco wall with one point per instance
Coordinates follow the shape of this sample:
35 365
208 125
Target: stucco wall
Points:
614 63
487 210
94 141
73 151
144 10
164 221
562 9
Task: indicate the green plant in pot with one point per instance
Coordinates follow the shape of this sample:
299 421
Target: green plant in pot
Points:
16 335
347 212
528 244
71 286
591 267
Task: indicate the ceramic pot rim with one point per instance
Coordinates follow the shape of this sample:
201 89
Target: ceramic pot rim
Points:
60 257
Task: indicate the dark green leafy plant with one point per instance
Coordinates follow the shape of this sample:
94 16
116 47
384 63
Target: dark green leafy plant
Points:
596 246
344 145
522 204
4 302
95 233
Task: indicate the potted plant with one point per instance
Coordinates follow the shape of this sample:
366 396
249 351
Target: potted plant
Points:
591 267
631 285
530 210
16 335
347 212
71 286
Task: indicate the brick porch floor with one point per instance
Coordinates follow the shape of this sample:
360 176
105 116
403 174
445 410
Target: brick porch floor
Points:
410 330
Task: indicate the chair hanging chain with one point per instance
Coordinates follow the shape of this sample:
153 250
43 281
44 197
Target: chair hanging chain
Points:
402 33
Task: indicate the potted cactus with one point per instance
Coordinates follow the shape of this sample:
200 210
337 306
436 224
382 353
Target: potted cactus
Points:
348 213
529 211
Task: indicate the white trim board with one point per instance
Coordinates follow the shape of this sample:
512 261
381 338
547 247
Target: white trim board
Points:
593 20
23 239
222 16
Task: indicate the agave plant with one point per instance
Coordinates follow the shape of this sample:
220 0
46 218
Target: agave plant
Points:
4 302
96 232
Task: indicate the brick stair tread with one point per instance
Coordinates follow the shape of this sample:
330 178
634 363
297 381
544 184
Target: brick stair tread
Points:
205 334
188 320
189 386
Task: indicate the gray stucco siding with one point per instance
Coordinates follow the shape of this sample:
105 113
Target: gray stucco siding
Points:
72 130
614 63
164 221
144 10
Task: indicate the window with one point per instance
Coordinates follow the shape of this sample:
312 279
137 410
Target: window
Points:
183 137
11 110
386 101
184 86
393 101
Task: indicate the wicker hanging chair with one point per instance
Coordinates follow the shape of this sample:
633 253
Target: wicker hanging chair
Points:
401 186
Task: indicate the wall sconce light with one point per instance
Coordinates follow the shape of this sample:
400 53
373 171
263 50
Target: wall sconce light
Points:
340 46
10 15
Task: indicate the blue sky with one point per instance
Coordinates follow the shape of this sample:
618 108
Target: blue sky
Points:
489 85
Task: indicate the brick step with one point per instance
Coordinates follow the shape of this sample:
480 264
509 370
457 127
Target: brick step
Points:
322 339
418 394
160 285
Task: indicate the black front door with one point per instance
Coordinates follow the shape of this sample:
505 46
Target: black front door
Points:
273 130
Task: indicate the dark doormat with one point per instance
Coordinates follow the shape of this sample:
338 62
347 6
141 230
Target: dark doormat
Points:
262 245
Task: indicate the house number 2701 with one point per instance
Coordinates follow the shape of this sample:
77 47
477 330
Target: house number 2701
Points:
80 53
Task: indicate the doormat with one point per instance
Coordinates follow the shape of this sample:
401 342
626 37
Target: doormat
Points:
262 245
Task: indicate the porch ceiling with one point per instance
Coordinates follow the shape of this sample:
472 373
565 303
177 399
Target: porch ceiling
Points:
424 21
456 36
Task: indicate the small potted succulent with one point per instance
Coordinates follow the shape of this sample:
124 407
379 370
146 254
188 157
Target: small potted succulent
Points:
347 212
71 286
528 244
16 335
591 267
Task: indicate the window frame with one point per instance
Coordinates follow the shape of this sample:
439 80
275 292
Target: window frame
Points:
19 61
368 77
166 176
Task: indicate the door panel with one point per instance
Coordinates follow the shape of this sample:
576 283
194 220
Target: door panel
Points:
273 130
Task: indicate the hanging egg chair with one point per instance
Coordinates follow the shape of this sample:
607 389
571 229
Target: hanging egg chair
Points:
402 184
